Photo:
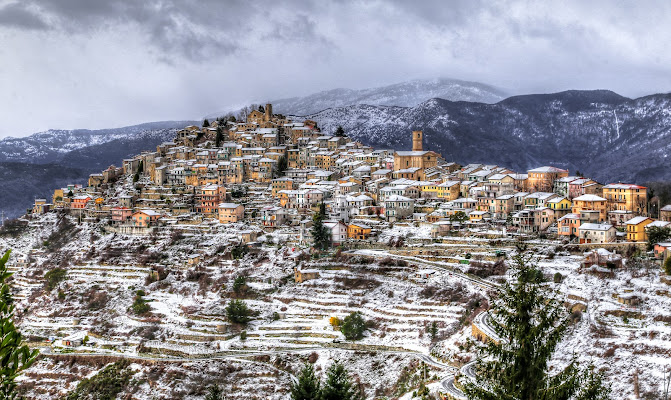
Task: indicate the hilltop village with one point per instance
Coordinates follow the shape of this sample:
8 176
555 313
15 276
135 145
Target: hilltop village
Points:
195 265
271 172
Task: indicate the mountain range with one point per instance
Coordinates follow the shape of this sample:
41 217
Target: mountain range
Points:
404 94
34 166
603 135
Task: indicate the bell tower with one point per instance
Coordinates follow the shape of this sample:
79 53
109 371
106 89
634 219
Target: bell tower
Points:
417 139
269 112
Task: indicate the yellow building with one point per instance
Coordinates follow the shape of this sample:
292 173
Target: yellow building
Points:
623 196
281 184
559 204
449 190
636 231
325 160
429 190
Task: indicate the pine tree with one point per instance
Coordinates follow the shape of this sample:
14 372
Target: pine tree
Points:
320 233
340 132
282 165
667 265
338 385
657 234
530 321
206 123
307 385
15 356
214 392
219 137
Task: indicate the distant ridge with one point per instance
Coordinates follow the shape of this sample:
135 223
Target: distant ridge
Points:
404 94
575 129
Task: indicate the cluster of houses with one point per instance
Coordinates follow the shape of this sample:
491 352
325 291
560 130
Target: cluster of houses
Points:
272 172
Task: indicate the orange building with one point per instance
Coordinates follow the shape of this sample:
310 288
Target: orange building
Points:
230 212
590 202
542 179
358 231
144 218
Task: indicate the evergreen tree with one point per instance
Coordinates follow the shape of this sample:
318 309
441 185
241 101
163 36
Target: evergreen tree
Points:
262 109
338 385
206 123
530 321
320 233
214 392
15 356
238 312
282 165
459 217
657 234
307 385
219 137
353 326
340 131
140 167
667 266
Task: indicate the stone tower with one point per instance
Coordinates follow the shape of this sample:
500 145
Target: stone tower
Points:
417 138
269 112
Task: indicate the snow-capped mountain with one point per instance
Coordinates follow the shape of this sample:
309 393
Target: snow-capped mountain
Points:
600 133
55 145
405 94
34 166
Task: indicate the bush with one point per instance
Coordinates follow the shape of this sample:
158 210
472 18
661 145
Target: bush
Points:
140 305
98 299
239 251
239 284
105 385
558 278
14 227
54 277
484 270
353 326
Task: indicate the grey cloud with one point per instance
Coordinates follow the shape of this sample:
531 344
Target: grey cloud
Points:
17 15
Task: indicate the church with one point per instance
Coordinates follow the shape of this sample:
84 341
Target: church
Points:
417 160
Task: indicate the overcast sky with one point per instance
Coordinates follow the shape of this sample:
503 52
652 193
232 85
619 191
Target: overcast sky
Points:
110 63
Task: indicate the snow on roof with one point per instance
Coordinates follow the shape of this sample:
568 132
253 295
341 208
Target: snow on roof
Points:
623 186
660 224
396 197
589 197
569 216
595 227
411 153
547 169
229 205
148 212
359 224
636 220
